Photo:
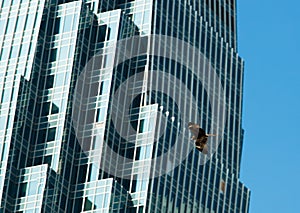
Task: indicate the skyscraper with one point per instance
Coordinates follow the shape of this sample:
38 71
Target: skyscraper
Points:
96 97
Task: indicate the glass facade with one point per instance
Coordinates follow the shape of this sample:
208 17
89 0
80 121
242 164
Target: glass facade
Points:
95 99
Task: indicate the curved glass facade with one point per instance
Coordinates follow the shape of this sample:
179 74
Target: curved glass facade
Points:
96 97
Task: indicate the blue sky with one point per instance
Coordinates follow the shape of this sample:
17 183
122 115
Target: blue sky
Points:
269 41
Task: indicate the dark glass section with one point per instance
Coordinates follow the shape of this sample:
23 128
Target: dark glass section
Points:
51 134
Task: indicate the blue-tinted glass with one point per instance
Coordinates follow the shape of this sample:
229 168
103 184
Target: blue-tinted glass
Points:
4 53
59 79
24 49
6 95
15 2
112 32
29 21
148 151
14 52
100 114
68 21
32 187
104 87
142 126
2 122
99 201
63 53
5 3
2 23
20 23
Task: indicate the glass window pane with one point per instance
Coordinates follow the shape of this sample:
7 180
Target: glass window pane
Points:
104 87
6 95
29 22
63 53
45 109
22 189
2 23
148 152
57 25
142 126
32 187
4 53
20 23
14 52
48 160
87 204
49 81
75 20
24 49
99 199
146 17
5 3
100 114
59 79
54 109
53 54
2 122
102 33
68 23
51 134
42 136
112 32
15 2
71 51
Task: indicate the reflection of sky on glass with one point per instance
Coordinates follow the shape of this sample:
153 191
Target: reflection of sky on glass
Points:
269 41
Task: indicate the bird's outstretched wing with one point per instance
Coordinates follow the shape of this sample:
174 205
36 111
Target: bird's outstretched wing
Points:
196 130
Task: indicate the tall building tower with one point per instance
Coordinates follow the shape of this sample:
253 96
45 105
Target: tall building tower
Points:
95 101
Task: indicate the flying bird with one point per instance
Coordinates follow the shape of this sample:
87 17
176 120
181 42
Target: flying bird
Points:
200 137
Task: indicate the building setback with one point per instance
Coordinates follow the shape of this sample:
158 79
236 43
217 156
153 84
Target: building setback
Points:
95 100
